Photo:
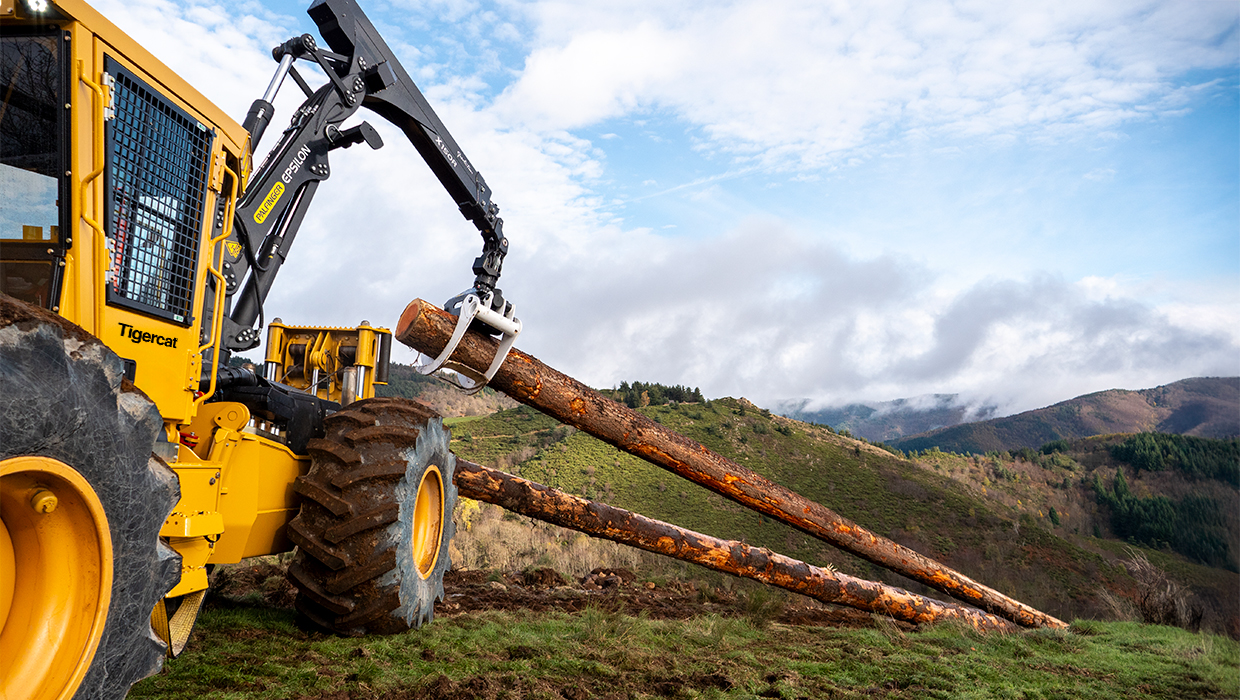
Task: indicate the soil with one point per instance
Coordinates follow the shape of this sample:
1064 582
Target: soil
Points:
543 590
262 582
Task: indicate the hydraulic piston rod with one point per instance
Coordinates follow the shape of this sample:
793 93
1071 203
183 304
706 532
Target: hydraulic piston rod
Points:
737 558
427 328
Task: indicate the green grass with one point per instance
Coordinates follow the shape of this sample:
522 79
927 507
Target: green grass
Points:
259 653
918 507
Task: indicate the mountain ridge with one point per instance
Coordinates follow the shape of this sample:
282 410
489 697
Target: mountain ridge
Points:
884 421
1198 406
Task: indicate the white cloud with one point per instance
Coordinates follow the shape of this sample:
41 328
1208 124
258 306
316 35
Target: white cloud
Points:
222 49
770 313
1100 174
801 84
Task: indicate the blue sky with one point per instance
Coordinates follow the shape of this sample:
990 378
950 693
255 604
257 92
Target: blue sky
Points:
832 200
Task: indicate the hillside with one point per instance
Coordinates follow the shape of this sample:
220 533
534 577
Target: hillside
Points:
1203 407
404 381
946 506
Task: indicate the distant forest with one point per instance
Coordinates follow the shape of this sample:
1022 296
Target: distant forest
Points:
640 394
1196 457
406 382
1193 526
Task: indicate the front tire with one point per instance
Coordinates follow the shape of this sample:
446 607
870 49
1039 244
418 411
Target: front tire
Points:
376 520
82 501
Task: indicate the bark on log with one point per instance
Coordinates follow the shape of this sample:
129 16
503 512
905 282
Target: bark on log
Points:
608 522
427 328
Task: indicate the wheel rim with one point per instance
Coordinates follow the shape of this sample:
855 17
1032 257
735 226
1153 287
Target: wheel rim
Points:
428 521
54 540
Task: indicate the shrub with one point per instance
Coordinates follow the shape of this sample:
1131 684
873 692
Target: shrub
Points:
1159 599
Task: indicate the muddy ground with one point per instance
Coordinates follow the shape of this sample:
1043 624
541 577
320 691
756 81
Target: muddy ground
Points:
544 590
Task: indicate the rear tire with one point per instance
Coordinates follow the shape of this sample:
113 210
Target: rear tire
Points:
72 430
376 520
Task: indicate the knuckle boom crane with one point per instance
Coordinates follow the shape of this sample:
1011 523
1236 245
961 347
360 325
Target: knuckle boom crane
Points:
362 72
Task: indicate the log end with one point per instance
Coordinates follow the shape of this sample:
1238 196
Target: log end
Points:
409 317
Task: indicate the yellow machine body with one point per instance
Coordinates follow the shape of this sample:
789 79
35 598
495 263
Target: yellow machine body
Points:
337 364
236 473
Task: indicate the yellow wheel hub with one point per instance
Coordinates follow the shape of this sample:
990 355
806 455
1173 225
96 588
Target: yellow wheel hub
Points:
55 577
428 521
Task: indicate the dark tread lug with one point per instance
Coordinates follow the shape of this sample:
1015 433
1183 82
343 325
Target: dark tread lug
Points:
398 437
308 586
353 576
376 517
313 546
377 470
310 488
335 450
371 612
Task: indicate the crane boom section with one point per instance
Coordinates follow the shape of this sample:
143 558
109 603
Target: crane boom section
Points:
362 71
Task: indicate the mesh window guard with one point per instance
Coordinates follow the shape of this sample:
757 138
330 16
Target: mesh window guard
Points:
156 188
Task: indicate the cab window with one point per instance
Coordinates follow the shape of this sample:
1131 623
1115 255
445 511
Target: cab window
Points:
31 165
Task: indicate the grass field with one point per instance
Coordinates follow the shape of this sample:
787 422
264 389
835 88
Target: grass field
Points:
261 653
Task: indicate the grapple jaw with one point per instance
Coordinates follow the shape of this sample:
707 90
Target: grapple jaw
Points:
495 316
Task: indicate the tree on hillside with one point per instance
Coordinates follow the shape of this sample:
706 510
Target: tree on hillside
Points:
1200 458
1194 526
640 394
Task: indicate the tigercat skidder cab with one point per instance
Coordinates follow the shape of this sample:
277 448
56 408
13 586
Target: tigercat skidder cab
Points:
138 246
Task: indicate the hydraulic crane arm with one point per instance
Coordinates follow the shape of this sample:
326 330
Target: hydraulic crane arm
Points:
362 72
348 32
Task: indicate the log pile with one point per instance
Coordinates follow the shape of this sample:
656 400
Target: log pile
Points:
427 329
737 558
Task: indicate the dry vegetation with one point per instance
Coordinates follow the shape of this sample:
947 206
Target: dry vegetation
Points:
490 538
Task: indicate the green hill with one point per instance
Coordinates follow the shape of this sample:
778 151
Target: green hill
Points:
1204 407
989 517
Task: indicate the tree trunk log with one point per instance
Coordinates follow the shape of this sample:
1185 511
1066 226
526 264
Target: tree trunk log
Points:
607 522
427 328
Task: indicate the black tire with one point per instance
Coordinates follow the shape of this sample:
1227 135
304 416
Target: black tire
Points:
63 397
366 563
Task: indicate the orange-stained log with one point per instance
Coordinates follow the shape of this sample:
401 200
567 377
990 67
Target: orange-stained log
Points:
600 520
427 329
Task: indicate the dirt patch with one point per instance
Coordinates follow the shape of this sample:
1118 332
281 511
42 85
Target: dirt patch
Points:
256 581
543 578
619 590
262 582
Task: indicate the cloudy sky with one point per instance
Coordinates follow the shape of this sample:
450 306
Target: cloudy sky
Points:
1017 202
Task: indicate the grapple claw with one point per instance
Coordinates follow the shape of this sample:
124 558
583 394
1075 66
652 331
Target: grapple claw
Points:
468 308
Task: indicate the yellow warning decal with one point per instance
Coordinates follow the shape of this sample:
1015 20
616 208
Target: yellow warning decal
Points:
234 249
269 203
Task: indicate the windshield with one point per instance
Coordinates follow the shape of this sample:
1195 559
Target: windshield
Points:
30 166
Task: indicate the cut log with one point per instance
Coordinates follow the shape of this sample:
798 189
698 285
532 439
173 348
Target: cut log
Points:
427 329
736 558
